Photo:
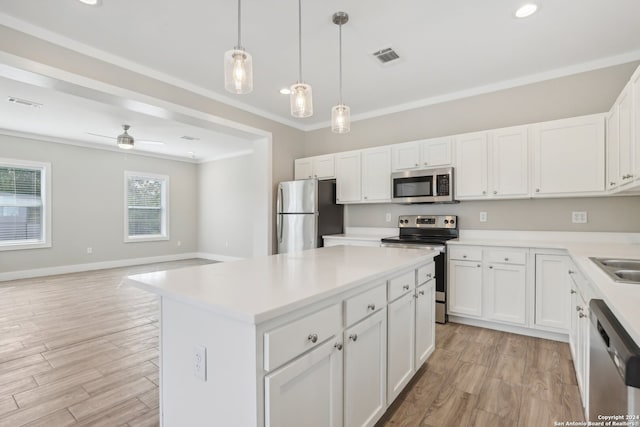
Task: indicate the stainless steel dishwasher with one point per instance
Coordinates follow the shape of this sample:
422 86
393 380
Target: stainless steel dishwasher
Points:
614 368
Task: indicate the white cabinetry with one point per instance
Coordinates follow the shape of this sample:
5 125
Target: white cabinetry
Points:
568 156
427 153
505 283
348 177
613 148
465 281
579 333
365 370
425 322
376 175
307 391
552 292
635 124
401 344
493 164
321 167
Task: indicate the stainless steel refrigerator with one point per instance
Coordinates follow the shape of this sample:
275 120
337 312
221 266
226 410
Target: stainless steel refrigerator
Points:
307 210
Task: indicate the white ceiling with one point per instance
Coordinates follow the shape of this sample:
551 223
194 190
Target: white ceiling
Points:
448 48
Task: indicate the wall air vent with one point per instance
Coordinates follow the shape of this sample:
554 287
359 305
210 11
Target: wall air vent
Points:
386 55
24 102
190 138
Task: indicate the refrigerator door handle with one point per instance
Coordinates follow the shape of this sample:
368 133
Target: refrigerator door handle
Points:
280 196
279 227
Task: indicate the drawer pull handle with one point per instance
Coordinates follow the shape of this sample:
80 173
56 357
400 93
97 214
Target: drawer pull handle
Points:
405 287
491 266
478 265
582 315
421 292
578 308
572 272
464 256
371 307
429 275
337 346
573 291
313 338
506 259
353 337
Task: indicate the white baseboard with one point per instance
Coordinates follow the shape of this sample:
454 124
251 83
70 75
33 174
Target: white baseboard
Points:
538 333
76 268
216 257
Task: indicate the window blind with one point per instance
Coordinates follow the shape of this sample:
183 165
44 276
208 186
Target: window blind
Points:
21 204
146 206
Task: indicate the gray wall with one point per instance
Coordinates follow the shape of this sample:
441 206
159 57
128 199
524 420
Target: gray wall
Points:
580 94
88 205
226 200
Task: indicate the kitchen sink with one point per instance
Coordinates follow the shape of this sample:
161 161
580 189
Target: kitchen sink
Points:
620 270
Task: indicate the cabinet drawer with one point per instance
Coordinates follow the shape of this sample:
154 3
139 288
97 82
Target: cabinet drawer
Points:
507 256
426 273
360 306
288 341
401 285
465 253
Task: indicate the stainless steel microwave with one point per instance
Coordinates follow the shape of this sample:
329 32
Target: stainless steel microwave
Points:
423 186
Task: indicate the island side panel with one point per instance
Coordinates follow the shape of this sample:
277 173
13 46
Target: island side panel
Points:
229 394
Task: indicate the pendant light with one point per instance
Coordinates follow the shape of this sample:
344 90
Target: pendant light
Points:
340 114
301 96
125 141
238 73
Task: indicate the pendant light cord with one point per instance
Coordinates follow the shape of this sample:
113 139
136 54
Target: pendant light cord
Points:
300 40
340 62
239 25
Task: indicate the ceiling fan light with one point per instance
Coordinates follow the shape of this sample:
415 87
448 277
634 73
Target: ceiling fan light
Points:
301 100
125 141
238 71
340 118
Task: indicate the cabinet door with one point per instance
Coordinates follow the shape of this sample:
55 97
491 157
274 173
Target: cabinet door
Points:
635 119
436 152
401 341
613 148
307 391
506 288
568 156
508 163
425 322
583 344
624 104
348 178
552 288
471 166
303 168
324 167
405 156
365 370
376 175
465 288
573 327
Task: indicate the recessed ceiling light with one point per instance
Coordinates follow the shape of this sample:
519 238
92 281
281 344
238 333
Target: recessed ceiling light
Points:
285 91
526 10
91 2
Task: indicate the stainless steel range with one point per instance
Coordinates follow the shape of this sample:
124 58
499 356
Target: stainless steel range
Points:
429 232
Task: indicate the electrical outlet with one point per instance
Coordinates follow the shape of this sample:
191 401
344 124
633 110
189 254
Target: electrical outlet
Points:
179 243
579 217
89 250
387 217
200 362
483 217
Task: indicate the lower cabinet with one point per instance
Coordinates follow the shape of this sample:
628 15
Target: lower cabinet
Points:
365 370
306 391
506 291
465 288
552 292
425 322
401 344
579 339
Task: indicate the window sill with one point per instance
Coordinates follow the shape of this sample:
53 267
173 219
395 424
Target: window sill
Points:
156 238
18 246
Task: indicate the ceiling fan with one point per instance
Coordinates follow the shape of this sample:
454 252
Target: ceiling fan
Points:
141 141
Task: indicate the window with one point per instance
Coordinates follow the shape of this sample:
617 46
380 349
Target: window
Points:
25 209
146 201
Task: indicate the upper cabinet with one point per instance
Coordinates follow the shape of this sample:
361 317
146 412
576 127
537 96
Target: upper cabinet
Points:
568 157
635 125
348 177
321 167
427 153
620 147
492 164
364 176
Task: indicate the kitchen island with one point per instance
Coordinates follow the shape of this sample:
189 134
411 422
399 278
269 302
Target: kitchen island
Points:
321 337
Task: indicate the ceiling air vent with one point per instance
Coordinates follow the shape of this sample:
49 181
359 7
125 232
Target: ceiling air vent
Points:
386 55
23 102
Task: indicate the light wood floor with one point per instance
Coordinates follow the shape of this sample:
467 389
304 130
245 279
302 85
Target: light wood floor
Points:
80 349
479 377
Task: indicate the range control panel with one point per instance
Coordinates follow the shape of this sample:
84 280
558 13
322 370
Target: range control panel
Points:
428 221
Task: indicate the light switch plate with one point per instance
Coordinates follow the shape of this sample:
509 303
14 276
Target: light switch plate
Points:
200 362
579 217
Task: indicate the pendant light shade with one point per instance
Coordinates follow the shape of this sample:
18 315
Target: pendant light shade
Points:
125 141
340 114
238 66
301 95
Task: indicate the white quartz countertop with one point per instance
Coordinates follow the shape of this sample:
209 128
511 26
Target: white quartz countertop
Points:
367 234
259 289
622 298
363 237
